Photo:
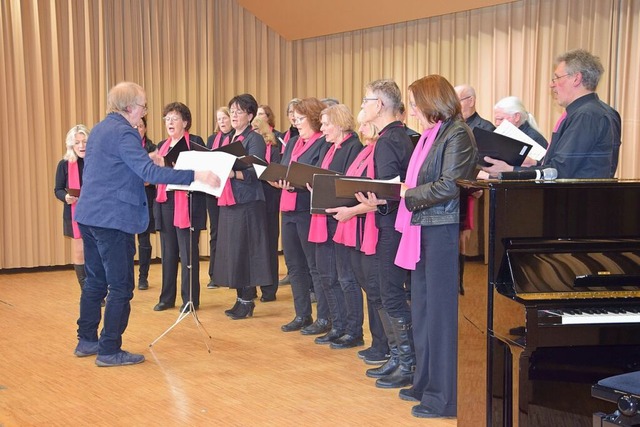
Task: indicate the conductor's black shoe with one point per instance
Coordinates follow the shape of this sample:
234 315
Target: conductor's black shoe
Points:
86 348
297 323
143 284
119 359
347 341
320 326
212 285
161 306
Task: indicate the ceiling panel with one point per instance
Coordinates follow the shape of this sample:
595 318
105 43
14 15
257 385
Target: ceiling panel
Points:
301 19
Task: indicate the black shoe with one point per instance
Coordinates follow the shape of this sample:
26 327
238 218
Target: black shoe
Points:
373 356
233 309
267 298
347 341
143 284
244 311
297 323
320 326
212 285
409 394
421 411
285 280
161 306
182 308
329 337
389 366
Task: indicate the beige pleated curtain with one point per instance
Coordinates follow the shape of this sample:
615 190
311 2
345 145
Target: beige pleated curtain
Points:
59 58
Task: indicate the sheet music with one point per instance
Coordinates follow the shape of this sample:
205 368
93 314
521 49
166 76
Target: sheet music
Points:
217 162
259 169
507 128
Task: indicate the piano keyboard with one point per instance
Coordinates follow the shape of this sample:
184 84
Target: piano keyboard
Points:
590 316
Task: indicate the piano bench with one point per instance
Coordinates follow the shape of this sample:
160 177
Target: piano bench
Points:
624 391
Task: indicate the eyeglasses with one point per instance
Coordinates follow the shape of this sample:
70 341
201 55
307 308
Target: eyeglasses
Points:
237 112
144 107
556 78
465 98
365 99
171 119
297 120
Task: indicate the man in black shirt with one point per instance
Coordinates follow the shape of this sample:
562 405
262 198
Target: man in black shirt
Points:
467 97
586 142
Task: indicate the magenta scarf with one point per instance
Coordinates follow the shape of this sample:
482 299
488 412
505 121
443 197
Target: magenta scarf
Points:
73 176
409 249
288 199
180 200
318 227
226 197
346 232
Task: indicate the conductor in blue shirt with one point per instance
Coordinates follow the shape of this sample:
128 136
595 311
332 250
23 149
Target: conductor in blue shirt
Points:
111 210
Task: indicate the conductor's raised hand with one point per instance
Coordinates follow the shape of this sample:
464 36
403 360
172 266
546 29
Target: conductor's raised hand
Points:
207 177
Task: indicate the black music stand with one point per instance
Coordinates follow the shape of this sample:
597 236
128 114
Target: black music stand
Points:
189 308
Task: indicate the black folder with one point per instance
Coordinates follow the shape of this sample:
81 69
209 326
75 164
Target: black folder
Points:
274 173
348 187
171 157
500 147
299 174
323 195
235 148
245 162
75 192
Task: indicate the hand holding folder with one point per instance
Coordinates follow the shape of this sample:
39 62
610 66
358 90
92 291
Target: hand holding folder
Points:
384 190
500 147
323 195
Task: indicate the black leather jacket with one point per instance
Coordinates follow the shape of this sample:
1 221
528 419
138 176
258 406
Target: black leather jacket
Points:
435 201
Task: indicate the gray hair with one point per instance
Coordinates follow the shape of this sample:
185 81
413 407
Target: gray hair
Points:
70 141
123 95
388 92
512 105
585 63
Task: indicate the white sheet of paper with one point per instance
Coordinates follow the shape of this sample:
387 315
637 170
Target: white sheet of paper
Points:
217 162
507 128
259 169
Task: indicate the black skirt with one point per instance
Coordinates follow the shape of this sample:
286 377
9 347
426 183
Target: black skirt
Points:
242 251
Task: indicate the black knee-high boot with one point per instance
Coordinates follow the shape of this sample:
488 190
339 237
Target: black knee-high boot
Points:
403 375
394 361
80 274
144 254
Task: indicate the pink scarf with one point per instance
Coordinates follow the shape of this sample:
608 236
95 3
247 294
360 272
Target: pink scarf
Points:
288 199
346 231
318 227
180 200
409 249
226 197
73 176
216 140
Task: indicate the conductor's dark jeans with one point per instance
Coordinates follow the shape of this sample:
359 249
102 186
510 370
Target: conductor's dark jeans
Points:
108 262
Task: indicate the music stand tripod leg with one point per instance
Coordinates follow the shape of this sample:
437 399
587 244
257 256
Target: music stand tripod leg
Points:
189 307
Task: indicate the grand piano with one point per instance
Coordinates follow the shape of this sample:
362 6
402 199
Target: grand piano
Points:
563 308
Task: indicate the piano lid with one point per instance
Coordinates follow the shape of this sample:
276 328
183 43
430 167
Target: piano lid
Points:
571 269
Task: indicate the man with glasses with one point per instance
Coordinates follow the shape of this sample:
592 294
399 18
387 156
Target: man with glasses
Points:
467 96
586 140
